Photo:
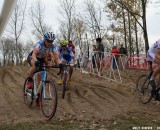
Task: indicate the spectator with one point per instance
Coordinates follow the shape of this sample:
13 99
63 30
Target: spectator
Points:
100 50
94 56
122 50
79 61
72 46
115 56
123 54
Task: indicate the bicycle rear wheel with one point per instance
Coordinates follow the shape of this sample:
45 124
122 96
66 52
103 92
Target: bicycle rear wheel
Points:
27 94
48 99
64 84
143 89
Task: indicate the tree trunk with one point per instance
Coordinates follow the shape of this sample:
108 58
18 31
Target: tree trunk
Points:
136 34
129 28
124 25
145 26
4 60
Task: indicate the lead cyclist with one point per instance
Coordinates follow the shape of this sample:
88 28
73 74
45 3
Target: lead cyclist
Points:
39 54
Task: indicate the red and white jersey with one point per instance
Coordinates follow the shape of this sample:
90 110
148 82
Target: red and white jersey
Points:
72 47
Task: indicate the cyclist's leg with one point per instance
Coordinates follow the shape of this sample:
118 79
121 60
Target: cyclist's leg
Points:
151 57
155 74
61 75
158 80
42 62
31 71
157 70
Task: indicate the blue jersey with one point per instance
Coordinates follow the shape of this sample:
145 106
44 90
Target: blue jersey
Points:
66 54
42 50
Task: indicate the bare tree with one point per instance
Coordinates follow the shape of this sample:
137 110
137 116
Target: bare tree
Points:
136 14
7 51
79 29
67 11
16 24
36 13
94 18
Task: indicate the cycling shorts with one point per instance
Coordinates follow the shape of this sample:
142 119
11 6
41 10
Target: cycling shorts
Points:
69 60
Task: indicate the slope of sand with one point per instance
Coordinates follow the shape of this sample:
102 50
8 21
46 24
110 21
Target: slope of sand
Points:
88 98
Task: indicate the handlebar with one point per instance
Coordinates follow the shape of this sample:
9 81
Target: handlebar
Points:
45 67
65 65
54 66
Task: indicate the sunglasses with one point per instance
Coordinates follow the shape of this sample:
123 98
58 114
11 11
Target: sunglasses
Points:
50 41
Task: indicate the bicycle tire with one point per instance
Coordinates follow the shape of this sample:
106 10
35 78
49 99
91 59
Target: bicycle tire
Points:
143 89
49 96
27 94
64 84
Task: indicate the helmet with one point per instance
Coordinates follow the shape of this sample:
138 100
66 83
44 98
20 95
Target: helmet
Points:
49 36
63 42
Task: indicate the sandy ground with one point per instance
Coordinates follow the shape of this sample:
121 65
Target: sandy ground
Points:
88 98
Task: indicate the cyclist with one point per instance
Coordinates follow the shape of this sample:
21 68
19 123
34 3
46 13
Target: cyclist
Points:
66 55
72 46
39 55
154 56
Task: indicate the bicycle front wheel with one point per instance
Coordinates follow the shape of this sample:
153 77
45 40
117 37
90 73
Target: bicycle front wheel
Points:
143 89
48 99
27 94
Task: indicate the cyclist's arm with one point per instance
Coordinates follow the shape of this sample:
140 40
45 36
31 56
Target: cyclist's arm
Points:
35 51
34 54
56 57
157 54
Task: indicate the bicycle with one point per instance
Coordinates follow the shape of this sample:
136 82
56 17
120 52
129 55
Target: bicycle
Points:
46 92
65 78
144 90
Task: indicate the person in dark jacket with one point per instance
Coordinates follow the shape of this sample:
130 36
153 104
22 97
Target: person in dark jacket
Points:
100 51
122 50
123 54
100 48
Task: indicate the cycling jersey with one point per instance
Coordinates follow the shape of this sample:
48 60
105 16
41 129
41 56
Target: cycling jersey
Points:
71 45
66 55
42 50
152 50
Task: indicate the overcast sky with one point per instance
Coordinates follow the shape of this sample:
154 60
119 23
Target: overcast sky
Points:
52 15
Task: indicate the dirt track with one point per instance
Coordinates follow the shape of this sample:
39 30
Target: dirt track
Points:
88 98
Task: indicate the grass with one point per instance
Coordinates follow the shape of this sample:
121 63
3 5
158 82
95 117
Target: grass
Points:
130 122
138 122
45 126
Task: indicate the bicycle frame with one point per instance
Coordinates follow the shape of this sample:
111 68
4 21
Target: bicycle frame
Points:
44 91
66 71
42 83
